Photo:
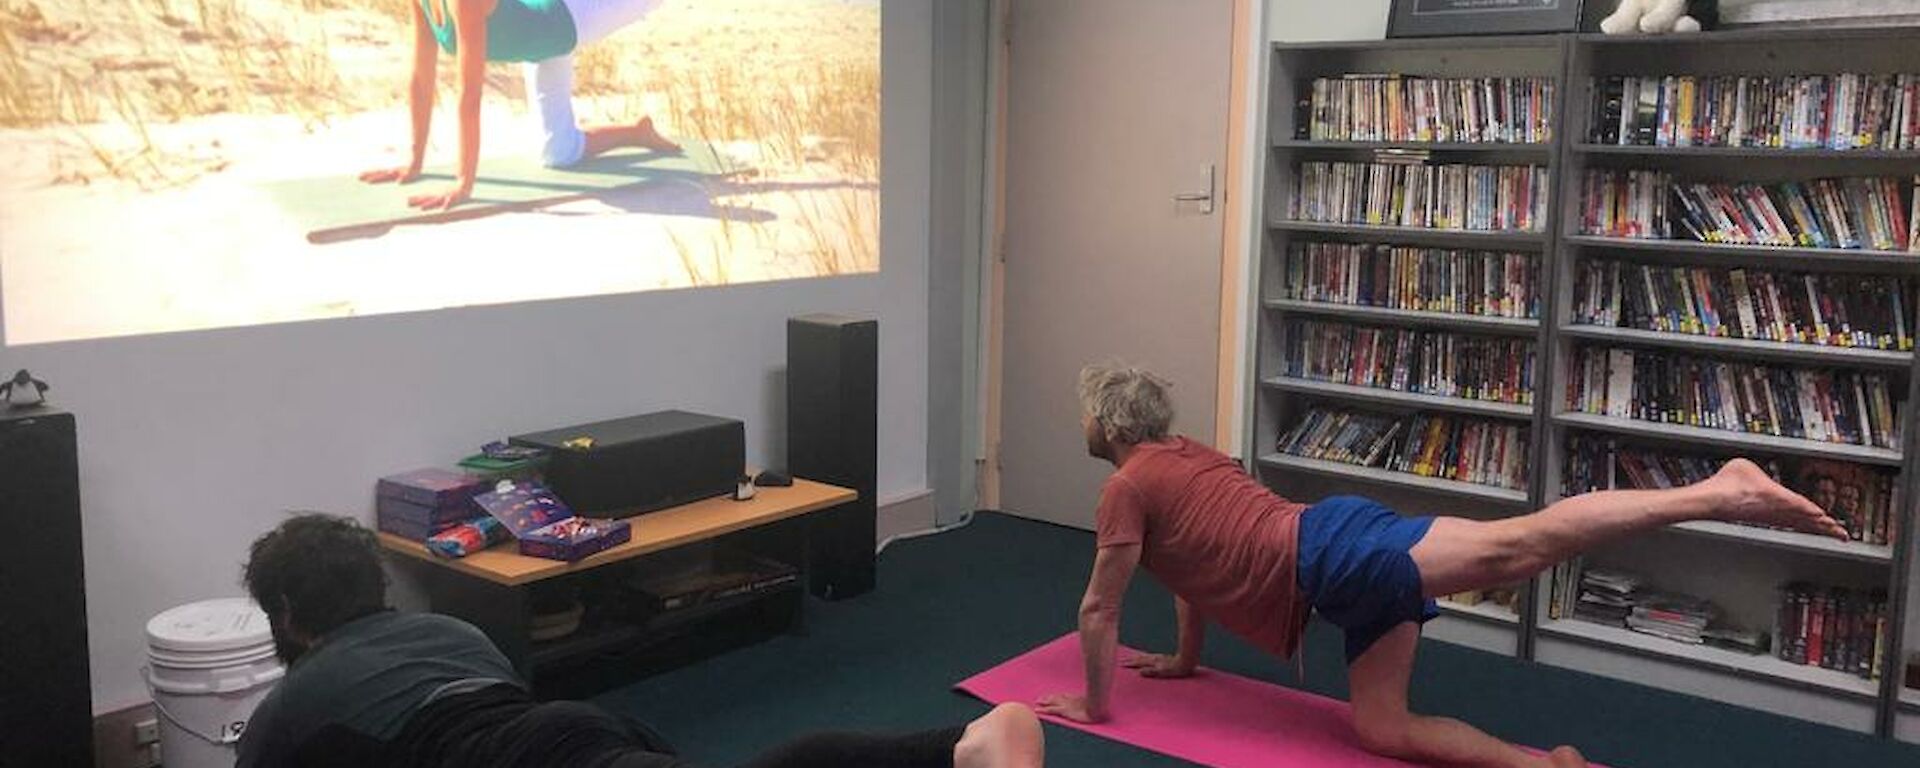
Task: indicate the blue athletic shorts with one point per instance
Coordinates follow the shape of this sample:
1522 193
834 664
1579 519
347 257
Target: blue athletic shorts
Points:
1357 571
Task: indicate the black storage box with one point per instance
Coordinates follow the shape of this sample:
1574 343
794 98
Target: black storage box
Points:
639 464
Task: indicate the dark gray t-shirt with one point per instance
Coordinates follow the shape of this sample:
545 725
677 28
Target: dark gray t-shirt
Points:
366 678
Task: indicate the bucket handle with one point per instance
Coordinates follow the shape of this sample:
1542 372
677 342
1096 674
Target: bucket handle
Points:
229 732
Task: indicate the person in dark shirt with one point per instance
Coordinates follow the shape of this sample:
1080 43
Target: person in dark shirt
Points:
367 686
1234 552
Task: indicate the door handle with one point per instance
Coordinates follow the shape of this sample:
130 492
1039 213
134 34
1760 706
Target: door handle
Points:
1205 199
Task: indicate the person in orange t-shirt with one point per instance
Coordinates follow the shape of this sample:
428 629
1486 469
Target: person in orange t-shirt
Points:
1234 552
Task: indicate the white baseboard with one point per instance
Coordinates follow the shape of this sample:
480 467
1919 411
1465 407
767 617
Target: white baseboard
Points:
905 513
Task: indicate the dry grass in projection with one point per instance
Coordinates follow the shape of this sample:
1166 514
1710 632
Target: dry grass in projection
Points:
788 89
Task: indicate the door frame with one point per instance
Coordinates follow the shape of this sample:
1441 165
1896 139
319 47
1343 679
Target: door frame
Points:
1238 222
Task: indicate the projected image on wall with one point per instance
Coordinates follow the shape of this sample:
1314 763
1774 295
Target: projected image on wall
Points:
170 165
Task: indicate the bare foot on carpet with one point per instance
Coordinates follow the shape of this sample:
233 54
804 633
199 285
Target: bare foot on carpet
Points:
1564 756
1754 497
1007 737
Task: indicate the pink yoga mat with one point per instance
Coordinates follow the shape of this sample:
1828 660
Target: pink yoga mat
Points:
1212 718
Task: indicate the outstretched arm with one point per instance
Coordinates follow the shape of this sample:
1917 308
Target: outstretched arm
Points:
420 92
470 35
1113 568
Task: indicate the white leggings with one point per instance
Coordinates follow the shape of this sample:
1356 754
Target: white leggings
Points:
550 82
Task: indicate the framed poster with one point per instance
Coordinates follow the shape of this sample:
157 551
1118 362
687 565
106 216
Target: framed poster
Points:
1435 18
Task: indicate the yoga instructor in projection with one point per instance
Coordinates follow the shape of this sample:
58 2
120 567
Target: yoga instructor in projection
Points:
1233 552
543 34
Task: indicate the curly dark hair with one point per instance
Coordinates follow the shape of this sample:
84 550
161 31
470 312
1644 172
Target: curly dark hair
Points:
316 572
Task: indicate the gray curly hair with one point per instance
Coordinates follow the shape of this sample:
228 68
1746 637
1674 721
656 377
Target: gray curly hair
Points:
1131 403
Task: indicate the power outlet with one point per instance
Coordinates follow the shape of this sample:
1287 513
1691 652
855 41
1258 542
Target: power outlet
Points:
146 732
147 756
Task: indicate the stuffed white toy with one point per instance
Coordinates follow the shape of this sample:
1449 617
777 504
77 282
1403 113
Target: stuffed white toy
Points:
1650 17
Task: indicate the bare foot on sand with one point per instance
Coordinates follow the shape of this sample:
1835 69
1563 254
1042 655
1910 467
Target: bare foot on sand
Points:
1564 756
1007 737
1754 497
648 137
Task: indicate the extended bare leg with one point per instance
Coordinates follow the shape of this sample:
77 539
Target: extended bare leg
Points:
1459 554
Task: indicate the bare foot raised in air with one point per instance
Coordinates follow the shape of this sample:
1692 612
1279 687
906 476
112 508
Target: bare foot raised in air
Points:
1007 737
1566 757
1754 497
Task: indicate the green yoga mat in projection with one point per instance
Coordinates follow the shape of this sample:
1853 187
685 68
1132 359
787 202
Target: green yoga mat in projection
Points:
333 208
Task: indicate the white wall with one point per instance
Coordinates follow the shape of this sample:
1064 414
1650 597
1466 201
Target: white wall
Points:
1297 21
192 444
957 197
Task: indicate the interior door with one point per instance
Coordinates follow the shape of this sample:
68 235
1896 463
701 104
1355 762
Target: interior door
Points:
1116 130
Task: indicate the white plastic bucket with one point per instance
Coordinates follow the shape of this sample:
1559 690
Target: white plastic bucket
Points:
208 665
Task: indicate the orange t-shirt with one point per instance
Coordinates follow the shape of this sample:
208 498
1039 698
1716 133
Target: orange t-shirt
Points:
1216 537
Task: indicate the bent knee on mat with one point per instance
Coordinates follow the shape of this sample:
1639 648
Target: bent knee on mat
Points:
1384 734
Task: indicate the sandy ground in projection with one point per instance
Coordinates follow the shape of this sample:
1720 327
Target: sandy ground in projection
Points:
134 135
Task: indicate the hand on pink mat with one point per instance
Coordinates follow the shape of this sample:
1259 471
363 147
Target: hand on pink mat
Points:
1159 665
1070 706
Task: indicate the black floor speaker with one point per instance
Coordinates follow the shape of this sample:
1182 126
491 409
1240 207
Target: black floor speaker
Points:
833 383
46 700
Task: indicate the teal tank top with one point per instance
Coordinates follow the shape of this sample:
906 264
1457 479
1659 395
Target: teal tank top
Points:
518 30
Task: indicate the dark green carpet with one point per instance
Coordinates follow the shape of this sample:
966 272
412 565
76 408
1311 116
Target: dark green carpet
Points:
951 605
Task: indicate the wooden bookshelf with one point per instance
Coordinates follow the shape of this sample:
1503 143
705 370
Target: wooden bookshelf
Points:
1277 402
1415 400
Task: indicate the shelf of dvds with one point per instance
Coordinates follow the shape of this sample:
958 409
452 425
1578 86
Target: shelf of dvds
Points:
1640 93
1491 147
1472 238
1491 159
1901 261
1320 135
1748 153
1391 477
1424 318
1730 439
1791 540
1746 348
1721 659
1418 400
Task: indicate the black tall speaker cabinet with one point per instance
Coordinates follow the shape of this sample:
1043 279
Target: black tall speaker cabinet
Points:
833 383
46 710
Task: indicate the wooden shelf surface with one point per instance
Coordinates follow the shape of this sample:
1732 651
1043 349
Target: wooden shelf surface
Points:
652 532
